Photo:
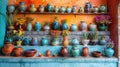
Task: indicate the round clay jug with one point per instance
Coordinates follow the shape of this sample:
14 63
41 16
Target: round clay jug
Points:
85 52
17 51
65 41
48 53
64 52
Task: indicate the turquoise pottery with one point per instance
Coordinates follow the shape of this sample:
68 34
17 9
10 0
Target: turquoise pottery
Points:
49 7
75 42
73 27
26 41
29 26
102 27
102 42
8 39
56 9
55 25
92 27
103 8
55 42
34 41
22 7
95 9
44 41
62 9
75 52
37 26
109 52
10 8
64 26
68 10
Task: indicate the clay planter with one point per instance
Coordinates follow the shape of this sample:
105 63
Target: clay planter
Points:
7 48
65 41
30 52
17 51
48 53
64 52
96 54
85 51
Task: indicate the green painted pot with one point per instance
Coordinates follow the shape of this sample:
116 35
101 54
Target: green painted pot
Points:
102 27
75 51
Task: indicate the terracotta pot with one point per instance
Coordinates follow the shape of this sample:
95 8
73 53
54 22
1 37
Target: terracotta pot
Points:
48 53
17 51
7 48
65 41
30 52
10 27
85 52
64 52
96 54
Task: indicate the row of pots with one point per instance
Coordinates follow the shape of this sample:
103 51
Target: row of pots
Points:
62 9
9 49
56 26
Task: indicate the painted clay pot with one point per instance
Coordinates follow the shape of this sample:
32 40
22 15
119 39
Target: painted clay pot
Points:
74 9
49 7
75 52
103 8
102 27
85 52
30 52
48 53
32 8
109 52
22 7
81 10
7 48
95 9
10 8
102 42
88 7
65 41
64 52
75 42
64 26
17 51
92 27
37 26
68 9
44 41
55 42
55 25
29 26
83 26
34 41
10 27
62 9
56 9
26 41
41 8
18 43
73 27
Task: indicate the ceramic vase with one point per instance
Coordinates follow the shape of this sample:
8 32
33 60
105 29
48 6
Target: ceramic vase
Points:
81 10
22 7
103 8
62 9
26 41
102 42
29 26
95 9
10 8
48 53
37 26
65 41
32 8
102 27
64 52
17 51
68 9
92 27
88 7
75 42
94 42
74 9
73 27
44 41
75 52
19 43
34 41
109 52
64 26
7 48
56 9
55 25
55 42
85 52
41 8
49 7
85 42
83 26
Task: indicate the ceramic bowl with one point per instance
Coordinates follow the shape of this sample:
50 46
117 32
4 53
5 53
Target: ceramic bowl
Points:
30 52
96 54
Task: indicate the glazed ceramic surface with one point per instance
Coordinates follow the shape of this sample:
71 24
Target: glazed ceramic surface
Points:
10 8
81 10
55 42
26 41
102 27
62 9
75 42
29 26
32 8
56 9
44 41
68 9
37 26
41 8
49 7
88 7
103 8
95 9
64 52
83 26
73 27
64 26
85 51
74 9
55 25
109 52
22 7
34 41
102 42
75 51
92 27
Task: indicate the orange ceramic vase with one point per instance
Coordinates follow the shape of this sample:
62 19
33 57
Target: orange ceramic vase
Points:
17 51
65 41
85 52
7 48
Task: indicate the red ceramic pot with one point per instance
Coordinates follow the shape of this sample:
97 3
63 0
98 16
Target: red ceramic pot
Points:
85 52
17 51
64 52
30 52
48 53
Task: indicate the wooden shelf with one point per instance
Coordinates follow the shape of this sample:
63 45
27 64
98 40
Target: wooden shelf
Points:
53 13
